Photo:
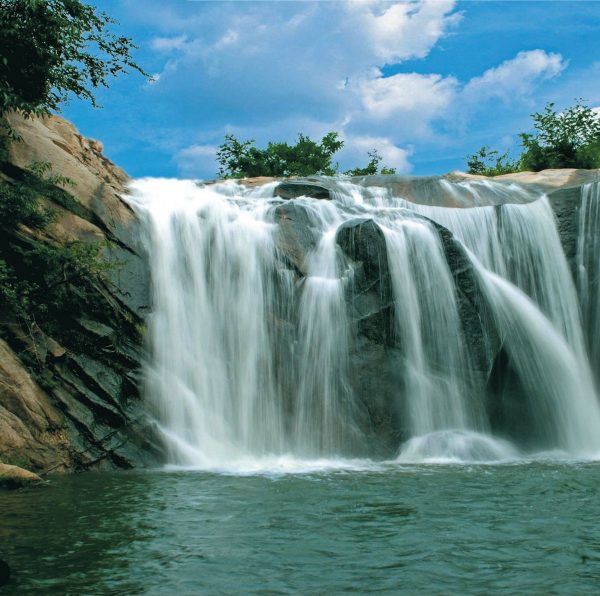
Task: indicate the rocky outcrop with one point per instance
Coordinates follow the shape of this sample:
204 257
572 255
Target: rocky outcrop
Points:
16 477
69 396
292 189
295 236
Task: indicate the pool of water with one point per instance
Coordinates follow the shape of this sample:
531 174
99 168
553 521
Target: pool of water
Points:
510 528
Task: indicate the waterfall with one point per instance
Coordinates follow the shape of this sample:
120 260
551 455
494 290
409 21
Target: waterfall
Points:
588 269
254 342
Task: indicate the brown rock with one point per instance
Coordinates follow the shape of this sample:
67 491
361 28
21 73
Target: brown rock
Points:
16 477
99 183
31 428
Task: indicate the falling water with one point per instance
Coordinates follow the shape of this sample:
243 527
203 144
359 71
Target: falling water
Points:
588 269
250 360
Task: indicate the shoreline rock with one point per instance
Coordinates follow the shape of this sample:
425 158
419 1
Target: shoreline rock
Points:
13 477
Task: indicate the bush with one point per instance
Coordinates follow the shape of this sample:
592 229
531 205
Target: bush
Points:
243 160
488 162
568 139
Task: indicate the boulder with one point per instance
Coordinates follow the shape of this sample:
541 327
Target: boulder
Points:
370 298
292 189
15 477
295 237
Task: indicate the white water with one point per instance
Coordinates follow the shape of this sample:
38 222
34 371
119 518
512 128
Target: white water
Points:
588 269
250 366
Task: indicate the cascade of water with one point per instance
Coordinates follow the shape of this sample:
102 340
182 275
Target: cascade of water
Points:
222 297
211 377
428 329
323 410
588 269
520 242
561 396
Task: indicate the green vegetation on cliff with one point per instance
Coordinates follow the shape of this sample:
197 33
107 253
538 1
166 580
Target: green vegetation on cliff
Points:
49 50
36 272
567 139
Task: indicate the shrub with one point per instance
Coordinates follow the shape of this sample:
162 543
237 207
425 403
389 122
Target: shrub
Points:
568 139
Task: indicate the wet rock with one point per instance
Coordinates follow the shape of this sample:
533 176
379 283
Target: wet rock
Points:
376 357
565 204
292 189
295 237
370 297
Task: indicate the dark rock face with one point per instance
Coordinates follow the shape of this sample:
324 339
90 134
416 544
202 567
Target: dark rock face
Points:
295 236
292 189
370 298
376 357
565 203
373 367
4 573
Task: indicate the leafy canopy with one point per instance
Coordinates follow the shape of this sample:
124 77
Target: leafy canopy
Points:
567 139
241 159
50 49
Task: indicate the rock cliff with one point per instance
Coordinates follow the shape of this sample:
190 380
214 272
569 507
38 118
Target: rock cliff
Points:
69 394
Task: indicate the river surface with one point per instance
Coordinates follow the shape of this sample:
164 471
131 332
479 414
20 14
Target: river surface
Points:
508 528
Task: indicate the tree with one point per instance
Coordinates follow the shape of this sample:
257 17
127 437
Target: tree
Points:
568 139
50 49
243 160
488 162
372 167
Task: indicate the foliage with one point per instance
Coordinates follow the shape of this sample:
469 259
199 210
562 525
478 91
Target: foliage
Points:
568 139
20 204
53 48
41 170
372 167
38 277
488 162
243 160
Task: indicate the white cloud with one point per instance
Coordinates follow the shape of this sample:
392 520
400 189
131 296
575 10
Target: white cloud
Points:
404 30
356 151
196 161
420 97
168 44
515 78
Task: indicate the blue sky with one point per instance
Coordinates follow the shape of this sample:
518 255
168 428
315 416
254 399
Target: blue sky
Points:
425 82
